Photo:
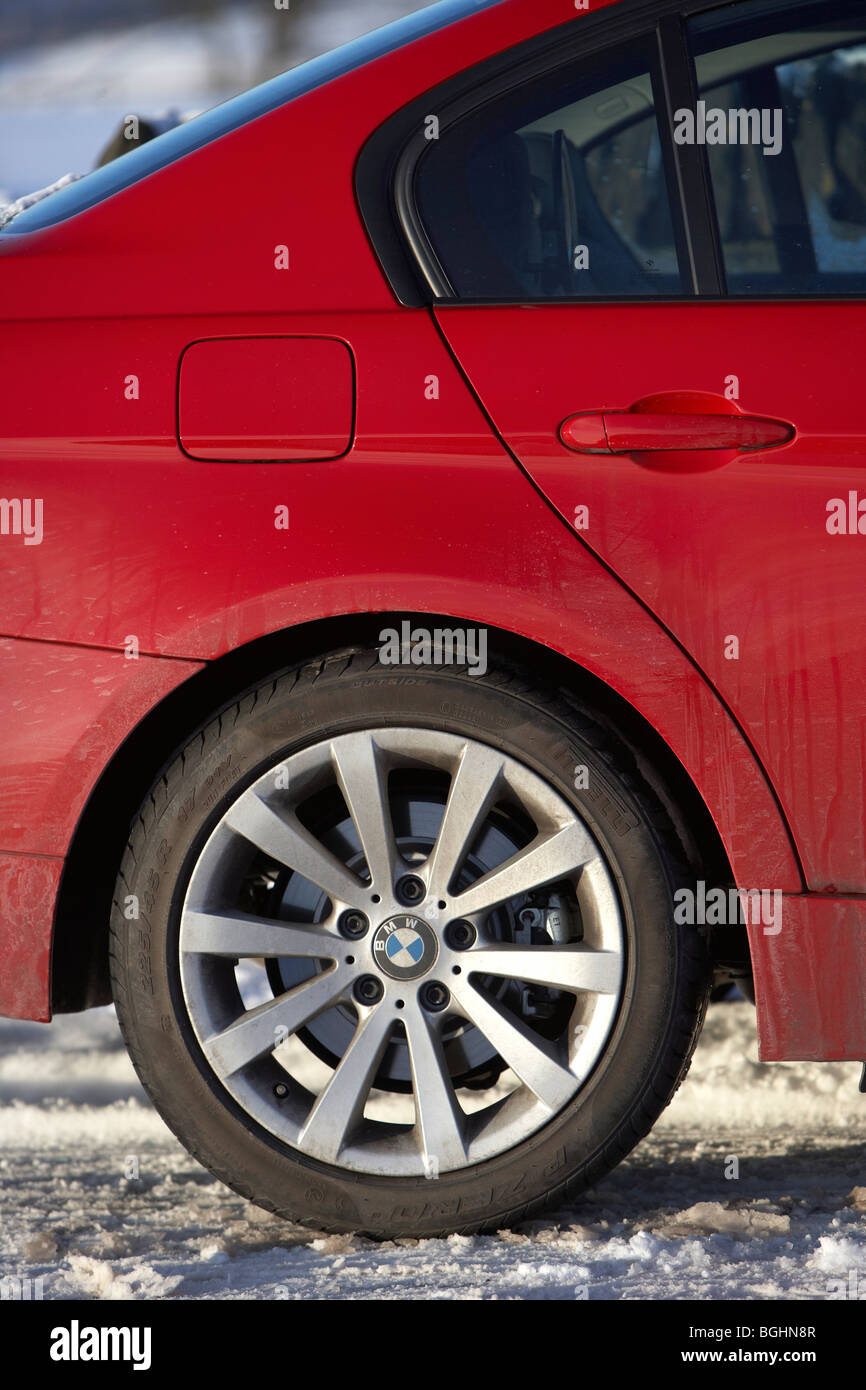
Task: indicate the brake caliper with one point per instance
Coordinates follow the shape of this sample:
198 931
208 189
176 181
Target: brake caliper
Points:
547 917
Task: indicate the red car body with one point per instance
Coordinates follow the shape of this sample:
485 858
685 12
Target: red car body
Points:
423 473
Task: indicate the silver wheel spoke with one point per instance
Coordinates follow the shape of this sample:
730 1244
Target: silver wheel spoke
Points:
531 1058
258 1031
237 934
287 841
332 819
559 854
340 1105
440 1120
571 968
473 789
363 782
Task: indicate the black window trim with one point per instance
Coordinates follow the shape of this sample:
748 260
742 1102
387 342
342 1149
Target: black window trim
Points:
386 165
693 210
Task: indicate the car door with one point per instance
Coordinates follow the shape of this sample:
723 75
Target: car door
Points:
650 262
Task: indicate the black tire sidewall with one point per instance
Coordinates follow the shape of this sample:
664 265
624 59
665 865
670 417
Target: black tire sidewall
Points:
640 1064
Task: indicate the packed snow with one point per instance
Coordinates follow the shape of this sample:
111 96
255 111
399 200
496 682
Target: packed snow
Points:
672 1222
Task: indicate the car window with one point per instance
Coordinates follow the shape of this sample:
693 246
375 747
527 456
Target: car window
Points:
556 189
210 125
783 88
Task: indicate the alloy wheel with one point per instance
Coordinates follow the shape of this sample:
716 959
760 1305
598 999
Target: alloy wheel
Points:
401 951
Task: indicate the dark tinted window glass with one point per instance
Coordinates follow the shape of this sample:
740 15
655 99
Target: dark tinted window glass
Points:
784 88
555 190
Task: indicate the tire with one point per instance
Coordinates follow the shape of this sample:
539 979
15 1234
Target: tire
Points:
564 1048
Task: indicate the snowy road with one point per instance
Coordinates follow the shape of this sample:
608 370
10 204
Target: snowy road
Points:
668 1224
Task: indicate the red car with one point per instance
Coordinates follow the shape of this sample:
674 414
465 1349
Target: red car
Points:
432 535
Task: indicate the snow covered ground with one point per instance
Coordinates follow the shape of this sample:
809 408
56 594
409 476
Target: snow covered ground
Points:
668 1224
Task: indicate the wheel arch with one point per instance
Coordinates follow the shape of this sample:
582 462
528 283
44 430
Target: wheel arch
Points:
79 958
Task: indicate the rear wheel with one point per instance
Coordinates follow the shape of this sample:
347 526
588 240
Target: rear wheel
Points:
405 960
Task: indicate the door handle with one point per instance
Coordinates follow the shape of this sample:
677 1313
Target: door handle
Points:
637 432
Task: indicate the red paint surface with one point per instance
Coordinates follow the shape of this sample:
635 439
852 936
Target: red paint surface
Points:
739 550
810 981
428 511
28 888
266 398
63 712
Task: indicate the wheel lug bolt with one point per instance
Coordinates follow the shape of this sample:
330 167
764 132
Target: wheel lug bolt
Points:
281 1090
435 996
368 990
411 889
460 935
353 925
